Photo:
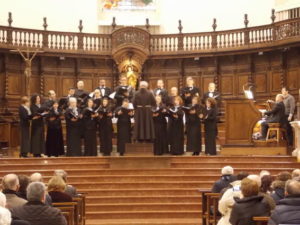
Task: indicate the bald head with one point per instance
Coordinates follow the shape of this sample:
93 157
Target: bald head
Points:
36 177
10 182
292 187
255 178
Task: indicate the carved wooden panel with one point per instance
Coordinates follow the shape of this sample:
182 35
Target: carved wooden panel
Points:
35 85
275 81
14 84
293 79
172 83
66 84
205 82
227 85
261 83
50 83
242 80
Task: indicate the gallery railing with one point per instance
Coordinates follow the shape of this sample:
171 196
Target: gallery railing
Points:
278 33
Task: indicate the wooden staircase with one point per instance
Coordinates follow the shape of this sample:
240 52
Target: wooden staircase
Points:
140 193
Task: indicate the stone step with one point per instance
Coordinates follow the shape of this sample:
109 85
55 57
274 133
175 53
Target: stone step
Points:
143 199
86 166
143 207
235 165
160 221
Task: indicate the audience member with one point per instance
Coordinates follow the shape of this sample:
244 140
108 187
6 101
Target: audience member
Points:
227 200
288 209
35 211
264 173
24 181
250 205
38 177
10 185
266 182
69 188
279 186
5 216
56 189
296 173
226 178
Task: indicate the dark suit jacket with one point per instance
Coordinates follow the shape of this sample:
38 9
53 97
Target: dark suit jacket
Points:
24 117
163 92
277 114
107 91
216 96
194 92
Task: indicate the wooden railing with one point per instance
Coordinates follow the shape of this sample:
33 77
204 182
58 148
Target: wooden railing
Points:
279 33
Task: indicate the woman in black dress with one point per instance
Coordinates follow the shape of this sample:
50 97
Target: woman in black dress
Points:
73 122
89 119
160 127
37 126
124 115
193 113
105 127
54 139
25 116
176 128
97 98
210 126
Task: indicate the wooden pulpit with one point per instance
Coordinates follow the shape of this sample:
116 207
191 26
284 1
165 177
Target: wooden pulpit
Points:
241 115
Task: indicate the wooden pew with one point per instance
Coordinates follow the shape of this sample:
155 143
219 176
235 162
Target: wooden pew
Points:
209 207
80 199
68 207
261 220
68 213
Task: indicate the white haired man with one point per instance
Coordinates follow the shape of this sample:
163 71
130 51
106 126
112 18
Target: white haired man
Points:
143 101
226 178
36 212
10 184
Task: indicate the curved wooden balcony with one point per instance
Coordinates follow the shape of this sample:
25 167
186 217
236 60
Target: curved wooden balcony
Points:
283 33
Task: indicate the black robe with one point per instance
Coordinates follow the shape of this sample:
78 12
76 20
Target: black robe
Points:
123 92
143 102
73 133
161 133
105 130
193 129
187 100
90 131
210 128
105 91
54 138
37 131
176 131
24 131
216 95
123 129
81 96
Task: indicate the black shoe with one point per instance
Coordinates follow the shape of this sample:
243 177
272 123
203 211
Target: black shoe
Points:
23 155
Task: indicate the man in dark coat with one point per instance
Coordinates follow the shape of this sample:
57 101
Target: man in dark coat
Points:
276 115
143 101
212 93
288 209
105 91
160 90
225 180
123 91
35 211
188 92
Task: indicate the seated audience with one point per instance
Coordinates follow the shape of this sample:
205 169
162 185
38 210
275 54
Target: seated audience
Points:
288 209
227 200
226 178
10 185
249 206
5 216
266 182
296 173
37 177
264 173
56 189
279 186
24 181
267 198
69 188
35 211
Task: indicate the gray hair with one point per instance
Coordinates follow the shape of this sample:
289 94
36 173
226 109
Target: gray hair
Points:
10 182
255 178
292 187
144 84
61 173
5 216
296 173
72 99
36 177
36 191
227 170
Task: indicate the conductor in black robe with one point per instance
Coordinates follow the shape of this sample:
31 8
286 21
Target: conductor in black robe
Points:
210 126
73 125
188 92
193 114
160 127
123 91
124 115
105 126
37 126
143 101
176 128
160 90
89 120
54 138
25 117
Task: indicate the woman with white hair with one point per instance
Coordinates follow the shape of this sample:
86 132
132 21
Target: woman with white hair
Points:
5 215
73 121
